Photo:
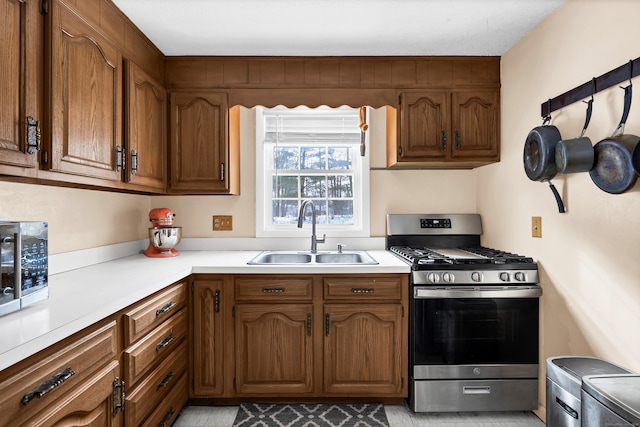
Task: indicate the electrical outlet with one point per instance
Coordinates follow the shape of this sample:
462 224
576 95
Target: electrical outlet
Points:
222 223
536 226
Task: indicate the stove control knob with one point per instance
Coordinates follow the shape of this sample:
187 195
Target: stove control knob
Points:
505 277
476 276
433 277
449 277
520 277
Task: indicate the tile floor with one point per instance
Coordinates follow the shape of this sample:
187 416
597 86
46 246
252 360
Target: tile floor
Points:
398 416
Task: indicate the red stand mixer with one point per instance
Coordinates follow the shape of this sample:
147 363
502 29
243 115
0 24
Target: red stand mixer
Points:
163 236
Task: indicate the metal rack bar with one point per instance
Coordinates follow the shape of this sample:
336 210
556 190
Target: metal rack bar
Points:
616 76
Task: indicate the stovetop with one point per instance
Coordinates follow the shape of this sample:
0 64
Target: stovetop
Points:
480 257
445 250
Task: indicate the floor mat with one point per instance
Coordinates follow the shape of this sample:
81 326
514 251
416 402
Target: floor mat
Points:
311 415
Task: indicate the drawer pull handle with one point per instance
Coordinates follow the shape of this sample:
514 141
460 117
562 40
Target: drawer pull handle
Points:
476 390
165 308
165 381
167 418
48 385
568 409
362 290
118 396
273 290
165 342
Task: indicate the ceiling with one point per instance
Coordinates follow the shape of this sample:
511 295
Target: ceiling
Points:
336 27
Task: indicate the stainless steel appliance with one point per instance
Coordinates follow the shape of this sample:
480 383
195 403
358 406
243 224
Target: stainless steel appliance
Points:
24 264
473 319
564 384
611 400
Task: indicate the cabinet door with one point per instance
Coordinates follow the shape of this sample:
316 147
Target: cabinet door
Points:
363 349
199 156
85 97
475 125
424 126
274 354
18 77
146 134
207 367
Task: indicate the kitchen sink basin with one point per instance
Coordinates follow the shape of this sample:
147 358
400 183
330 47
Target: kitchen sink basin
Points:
345 258
296 258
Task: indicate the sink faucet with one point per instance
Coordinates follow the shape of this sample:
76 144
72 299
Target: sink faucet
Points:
314 239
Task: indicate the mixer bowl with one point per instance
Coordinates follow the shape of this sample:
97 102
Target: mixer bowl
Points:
165 238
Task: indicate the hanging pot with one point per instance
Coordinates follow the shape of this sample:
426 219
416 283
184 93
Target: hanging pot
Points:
614 170
539 156
576 155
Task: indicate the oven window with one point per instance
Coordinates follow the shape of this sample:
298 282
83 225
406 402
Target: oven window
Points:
475 331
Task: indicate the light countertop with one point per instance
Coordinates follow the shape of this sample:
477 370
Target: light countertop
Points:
83 296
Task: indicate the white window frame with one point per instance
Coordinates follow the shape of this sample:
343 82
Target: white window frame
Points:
264 228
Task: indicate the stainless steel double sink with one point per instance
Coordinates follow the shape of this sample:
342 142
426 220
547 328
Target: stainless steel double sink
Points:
301 257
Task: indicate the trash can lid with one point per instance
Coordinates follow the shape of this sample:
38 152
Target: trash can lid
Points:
567 371
619 393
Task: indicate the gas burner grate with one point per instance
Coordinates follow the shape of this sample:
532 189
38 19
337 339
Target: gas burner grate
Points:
427 256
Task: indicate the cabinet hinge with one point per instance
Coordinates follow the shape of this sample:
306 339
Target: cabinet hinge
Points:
44 156
399 99
233 311
234 384
44 7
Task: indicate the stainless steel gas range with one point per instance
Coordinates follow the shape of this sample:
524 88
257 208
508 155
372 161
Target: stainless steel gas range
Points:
473 326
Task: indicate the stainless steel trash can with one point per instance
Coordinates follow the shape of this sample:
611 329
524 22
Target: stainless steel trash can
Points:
611 400
564 384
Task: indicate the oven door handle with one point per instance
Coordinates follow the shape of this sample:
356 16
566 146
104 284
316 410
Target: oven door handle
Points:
474 292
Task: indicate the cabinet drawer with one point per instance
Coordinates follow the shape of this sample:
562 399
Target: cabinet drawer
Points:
168 410
48 380
150 313
363 288
147 396
91 401
270 288
143 355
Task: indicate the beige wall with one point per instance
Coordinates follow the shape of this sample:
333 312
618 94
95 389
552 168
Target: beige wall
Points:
78 219
589 257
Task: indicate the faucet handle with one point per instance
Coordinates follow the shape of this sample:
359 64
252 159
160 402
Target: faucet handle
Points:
340 247
324 238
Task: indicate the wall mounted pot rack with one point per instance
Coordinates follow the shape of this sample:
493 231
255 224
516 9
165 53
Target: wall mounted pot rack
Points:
616 76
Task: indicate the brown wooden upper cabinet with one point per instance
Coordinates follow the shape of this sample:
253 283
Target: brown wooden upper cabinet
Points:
84 97
91 90
457 129
146 129
20 24
199 155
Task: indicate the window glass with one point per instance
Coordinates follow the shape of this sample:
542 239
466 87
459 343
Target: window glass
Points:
310 154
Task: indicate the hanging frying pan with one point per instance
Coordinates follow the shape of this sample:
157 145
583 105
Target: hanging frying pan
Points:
613 171
539 156
576 155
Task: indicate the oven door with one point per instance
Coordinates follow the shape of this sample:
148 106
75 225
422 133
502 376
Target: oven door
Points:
474 332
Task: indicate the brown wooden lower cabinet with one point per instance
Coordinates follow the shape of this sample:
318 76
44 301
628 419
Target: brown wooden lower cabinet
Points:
274 349
306 336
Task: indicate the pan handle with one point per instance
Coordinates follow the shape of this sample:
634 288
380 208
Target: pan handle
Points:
627 106
557 196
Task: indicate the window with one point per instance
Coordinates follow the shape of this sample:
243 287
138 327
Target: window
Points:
311 153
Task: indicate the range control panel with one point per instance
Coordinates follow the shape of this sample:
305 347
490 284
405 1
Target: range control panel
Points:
435 223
